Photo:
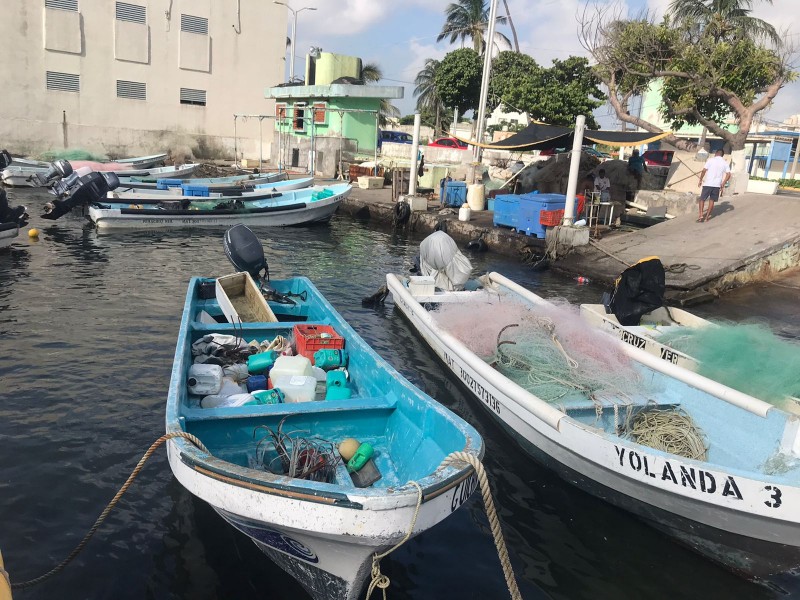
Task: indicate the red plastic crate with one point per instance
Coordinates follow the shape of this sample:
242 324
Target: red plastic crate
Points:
551 218
310 338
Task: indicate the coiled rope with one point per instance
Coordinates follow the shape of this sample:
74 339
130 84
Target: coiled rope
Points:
379 580
154 446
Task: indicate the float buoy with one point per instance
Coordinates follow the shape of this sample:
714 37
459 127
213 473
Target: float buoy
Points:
33 232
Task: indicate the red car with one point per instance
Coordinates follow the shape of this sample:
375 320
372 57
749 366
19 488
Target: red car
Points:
448 142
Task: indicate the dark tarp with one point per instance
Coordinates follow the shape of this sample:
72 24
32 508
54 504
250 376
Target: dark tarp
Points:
538 136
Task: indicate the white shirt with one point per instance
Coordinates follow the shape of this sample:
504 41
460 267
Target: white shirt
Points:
602 184
715 171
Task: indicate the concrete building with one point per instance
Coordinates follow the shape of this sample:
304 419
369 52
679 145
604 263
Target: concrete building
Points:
331 119
138 77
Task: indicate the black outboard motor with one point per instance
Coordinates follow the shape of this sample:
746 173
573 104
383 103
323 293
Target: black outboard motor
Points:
72 190
638 291
5 159
245 252
17 215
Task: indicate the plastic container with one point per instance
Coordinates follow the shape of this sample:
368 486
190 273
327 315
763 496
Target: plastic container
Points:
330 359
476 196
288 366
261 363
453 193
268 396
204 379
237 372
296 388
421 285
310 338
256 382
336 387
464 213
581 279
220 401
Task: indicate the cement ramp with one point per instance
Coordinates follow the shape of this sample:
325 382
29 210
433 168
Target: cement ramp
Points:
749 237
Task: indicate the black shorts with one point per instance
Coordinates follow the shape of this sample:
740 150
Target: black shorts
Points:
709 192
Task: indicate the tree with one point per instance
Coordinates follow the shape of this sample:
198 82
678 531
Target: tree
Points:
554 95
708 68
428 99
468 19
458 79
511 24
372 73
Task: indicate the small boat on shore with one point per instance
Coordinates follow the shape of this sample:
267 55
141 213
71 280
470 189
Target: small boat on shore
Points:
144 162
299 207
277 471
194 191
715 468
218 184
34 176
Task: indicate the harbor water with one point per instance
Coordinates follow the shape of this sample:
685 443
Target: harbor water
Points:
88 324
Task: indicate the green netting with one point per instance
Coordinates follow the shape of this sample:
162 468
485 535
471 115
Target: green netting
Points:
746 356
71 154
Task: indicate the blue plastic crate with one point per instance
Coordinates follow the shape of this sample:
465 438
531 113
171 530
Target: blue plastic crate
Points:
453 193
200 191
163 184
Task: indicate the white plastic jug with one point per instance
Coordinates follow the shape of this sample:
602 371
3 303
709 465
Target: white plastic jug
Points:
296 388
464 213
476 196
204 379
290 365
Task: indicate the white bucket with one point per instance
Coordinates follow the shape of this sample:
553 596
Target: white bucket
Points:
476 196
464 213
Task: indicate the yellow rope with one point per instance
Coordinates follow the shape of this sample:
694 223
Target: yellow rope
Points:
110 506
491 513
379 580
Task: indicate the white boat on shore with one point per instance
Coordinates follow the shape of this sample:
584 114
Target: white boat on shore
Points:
144 162
17 176
734 499
198 192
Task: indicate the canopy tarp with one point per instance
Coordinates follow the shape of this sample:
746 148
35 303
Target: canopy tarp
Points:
538 136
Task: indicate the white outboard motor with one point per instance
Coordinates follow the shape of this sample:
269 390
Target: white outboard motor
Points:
440 257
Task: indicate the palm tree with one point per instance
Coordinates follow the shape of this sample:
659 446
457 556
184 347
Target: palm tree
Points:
511 24
468 19
372 73
426 92
723 18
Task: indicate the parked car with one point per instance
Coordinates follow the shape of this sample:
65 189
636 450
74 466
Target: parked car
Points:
658 158
448 142
398 137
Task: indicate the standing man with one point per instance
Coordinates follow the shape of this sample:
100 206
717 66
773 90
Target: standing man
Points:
602 184
713 178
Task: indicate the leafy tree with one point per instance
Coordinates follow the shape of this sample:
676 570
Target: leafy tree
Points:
711 60
468 19
458 79
554 95
428 99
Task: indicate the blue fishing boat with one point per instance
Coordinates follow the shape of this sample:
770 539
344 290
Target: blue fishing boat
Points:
217 183
299 207
279 472
192 191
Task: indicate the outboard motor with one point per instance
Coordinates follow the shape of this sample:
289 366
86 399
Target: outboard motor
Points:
72 189
245 252
5 159
17 215
638 291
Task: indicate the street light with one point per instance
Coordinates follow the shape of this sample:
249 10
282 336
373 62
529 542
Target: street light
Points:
294 29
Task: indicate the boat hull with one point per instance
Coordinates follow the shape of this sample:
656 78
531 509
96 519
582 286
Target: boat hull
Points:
8 234
318 211
728 517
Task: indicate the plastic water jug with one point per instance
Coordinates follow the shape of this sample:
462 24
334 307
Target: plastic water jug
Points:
268 396
464 213
290 365
296 388
261 363
330 359
256 382
204 379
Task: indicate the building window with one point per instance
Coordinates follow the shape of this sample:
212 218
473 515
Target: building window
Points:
280 111
298 123
135 90
190 96
62 4
132 13
319 113
194 24
63 82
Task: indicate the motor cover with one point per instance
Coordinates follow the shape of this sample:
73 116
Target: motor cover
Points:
244 250
638 291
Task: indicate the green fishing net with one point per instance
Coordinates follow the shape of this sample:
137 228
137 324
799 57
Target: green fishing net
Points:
71 154
748 357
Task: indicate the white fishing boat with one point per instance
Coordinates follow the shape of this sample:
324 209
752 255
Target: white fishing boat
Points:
14 176
299 207
144 162
34 176
730 489
273 470
192 191
8 233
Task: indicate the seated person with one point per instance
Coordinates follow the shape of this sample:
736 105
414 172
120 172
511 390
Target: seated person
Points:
637 167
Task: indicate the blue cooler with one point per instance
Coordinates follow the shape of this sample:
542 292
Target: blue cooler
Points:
506 210
453 193
530 205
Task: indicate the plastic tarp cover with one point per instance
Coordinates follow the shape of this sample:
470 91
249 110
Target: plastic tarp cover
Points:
440 258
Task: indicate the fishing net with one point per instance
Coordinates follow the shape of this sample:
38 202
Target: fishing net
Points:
548 350
748 357
71 154
671 431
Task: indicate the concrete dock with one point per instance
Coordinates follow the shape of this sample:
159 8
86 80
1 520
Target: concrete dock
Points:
750 238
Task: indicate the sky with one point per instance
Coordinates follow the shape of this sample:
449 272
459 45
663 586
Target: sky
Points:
399 36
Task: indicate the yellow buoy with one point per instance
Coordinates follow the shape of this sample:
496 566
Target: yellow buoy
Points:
5 584
348 447
33 232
